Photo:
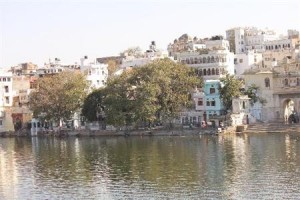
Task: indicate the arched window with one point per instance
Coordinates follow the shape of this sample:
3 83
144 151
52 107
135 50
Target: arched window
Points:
213 71
289 45
217 71
196 60
204 60
212 59
286 82
200 72
200 60
204 72
208 59
275 46
191 60
217 59
208 72
267 82
187 61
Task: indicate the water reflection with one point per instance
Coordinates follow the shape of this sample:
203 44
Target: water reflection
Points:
251 166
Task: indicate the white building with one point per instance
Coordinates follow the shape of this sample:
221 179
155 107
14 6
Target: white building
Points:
246 61
97 73
6 98
213 62
249 38
149 55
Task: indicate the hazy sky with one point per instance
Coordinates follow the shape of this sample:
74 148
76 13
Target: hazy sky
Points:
36 30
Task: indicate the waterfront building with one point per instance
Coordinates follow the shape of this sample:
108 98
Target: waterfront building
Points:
208 106
14 91
279 85
212 62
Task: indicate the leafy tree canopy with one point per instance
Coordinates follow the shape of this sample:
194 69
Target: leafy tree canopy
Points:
230 88
92 103
157 91
252 92
58 96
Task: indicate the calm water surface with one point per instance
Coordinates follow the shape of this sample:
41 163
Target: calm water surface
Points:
252 166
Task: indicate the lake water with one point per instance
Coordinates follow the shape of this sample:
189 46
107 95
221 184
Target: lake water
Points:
252 166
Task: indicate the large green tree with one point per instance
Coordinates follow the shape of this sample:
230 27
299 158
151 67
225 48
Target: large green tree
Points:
156 91
93 104
59 96
230 88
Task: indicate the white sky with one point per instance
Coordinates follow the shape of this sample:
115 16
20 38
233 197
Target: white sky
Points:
36 30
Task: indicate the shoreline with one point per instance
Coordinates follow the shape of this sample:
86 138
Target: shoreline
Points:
99 133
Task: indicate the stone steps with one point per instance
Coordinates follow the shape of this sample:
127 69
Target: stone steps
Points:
272 127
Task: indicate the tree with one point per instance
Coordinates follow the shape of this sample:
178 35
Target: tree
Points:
230 88
252 91
93 102
58 97
157 91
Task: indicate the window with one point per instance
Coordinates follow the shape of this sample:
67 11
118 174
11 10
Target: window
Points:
6 89
200 102
7 100
217 72
244 105
1 123
4 79
213 103
298 81
267 82
235 61
212 90
8 79
286 82
200 72
241 60
207 103
213 71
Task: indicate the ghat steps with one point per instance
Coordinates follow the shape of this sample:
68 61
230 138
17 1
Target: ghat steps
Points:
273 127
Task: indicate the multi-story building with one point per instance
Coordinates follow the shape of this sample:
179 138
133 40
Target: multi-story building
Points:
213 62
279 85
96 73
11 110
24 69
242 40
147 57
246 61
208 106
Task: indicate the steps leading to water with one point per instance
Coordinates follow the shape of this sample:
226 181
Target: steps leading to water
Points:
272 127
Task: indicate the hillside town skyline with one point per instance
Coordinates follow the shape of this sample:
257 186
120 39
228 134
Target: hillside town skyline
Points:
93 59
